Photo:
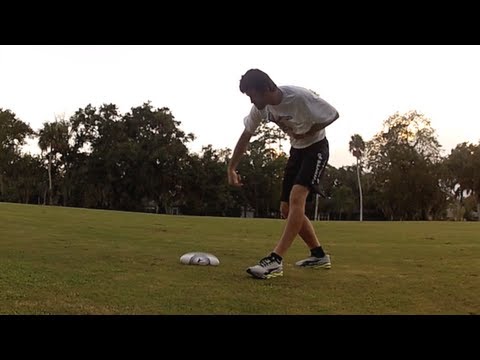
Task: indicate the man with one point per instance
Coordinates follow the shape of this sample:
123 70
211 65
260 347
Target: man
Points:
303 115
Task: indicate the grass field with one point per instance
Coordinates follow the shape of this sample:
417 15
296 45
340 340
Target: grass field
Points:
56 260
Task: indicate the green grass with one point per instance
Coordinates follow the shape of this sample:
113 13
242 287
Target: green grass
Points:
56 260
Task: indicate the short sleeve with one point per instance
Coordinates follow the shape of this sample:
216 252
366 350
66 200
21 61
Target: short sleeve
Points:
253 119
320 110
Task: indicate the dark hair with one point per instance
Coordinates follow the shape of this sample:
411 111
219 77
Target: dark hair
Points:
255 79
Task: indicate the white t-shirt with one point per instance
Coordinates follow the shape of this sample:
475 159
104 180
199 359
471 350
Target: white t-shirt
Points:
299 110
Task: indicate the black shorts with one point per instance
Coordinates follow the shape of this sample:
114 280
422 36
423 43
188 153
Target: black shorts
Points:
305 167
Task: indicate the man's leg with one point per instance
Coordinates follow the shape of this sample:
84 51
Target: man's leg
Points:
272 265
318 258
310 173
295 219
314 161
304 166
307 232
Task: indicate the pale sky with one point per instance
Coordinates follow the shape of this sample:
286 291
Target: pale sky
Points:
199 83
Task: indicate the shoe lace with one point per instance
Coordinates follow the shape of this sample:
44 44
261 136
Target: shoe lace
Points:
267 260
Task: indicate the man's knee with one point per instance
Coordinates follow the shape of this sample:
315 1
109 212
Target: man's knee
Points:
298 196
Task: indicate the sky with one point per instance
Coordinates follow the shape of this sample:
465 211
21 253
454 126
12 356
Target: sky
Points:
200 85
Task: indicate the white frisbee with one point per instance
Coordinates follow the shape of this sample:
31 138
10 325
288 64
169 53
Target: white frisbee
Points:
199 258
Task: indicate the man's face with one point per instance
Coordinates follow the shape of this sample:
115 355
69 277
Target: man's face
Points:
258 98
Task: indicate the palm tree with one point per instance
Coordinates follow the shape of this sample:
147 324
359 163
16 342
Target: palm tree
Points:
357 148
53 138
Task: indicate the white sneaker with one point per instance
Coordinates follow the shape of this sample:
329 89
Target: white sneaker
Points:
315 262
267 268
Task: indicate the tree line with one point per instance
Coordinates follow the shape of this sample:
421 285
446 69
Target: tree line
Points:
139 161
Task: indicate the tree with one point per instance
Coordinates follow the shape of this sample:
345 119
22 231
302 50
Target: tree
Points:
357 148
158 155
13 133
344 203
476 177
53 140
98 158
403 160
459 172
262 170
463 172
205 184
27 171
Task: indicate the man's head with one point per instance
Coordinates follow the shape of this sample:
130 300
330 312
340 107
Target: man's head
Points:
260 88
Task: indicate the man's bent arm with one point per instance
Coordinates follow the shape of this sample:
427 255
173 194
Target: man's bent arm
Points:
240 149
318 127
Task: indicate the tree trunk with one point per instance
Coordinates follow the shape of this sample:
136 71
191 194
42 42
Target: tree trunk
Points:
360 190
1 186
50 177
256 200
478 210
